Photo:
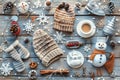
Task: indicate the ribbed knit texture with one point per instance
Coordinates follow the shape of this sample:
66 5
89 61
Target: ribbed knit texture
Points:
45 47
64 20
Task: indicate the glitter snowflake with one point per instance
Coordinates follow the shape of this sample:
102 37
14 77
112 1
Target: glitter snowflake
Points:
42 19
5 69
28 27
59 37
87 48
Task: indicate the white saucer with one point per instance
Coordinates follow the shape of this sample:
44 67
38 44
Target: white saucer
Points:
75 59
84 35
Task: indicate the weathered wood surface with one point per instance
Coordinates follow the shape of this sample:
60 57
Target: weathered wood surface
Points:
80 15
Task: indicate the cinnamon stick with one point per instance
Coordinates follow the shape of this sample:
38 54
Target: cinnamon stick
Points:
62 71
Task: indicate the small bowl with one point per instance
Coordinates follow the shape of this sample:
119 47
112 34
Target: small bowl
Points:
84 34
75 59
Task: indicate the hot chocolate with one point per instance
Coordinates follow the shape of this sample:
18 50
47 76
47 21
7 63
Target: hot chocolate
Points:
86 27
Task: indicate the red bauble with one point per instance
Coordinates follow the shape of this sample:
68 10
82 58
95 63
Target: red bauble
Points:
18 30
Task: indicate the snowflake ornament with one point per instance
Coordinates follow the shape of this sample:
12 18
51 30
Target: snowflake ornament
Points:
42 19
87 48
59 37
5 69
28 27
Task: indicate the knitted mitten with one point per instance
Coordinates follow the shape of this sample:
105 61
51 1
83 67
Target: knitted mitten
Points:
17 62
22 50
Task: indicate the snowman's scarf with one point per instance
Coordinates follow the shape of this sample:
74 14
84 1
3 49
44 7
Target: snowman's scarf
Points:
96 52
109 65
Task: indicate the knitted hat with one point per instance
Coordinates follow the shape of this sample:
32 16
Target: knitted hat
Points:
45 47
64 18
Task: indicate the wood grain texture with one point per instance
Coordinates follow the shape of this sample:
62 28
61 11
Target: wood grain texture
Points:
100 22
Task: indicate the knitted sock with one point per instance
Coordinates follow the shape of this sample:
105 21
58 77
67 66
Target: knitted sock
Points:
17 62
22 50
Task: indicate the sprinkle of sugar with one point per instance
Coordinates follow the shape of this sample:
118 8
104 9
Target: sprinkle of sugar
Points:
37 4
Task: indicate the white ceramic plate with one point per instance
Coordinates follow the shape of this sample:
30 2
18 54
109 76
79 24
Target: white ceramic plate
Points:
83 22
75 61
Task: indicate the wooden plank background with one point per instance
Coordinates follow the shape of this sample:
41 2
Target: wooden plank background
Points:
80 15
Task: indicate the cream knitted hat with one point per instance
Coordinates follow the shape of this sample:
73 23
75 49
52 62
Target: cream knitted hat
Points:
45 47
64 19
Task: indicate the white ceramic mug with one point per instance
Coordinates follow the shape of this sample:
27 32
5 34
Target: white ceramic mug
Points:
83 33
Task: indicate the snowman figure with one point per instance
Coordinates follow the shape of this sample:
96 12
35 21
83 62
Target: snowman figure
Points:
98 57
23 7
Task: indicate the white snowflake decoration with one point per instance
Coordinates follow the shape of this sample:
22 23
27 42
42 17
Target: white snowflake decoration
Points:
37 4
42 19
87 48
59 37
28 27
5 69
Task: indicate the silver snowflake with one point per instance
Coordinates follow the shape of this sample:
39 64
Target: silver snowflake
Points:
37 4
42 19
87 48
5 69
59 37
28 27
